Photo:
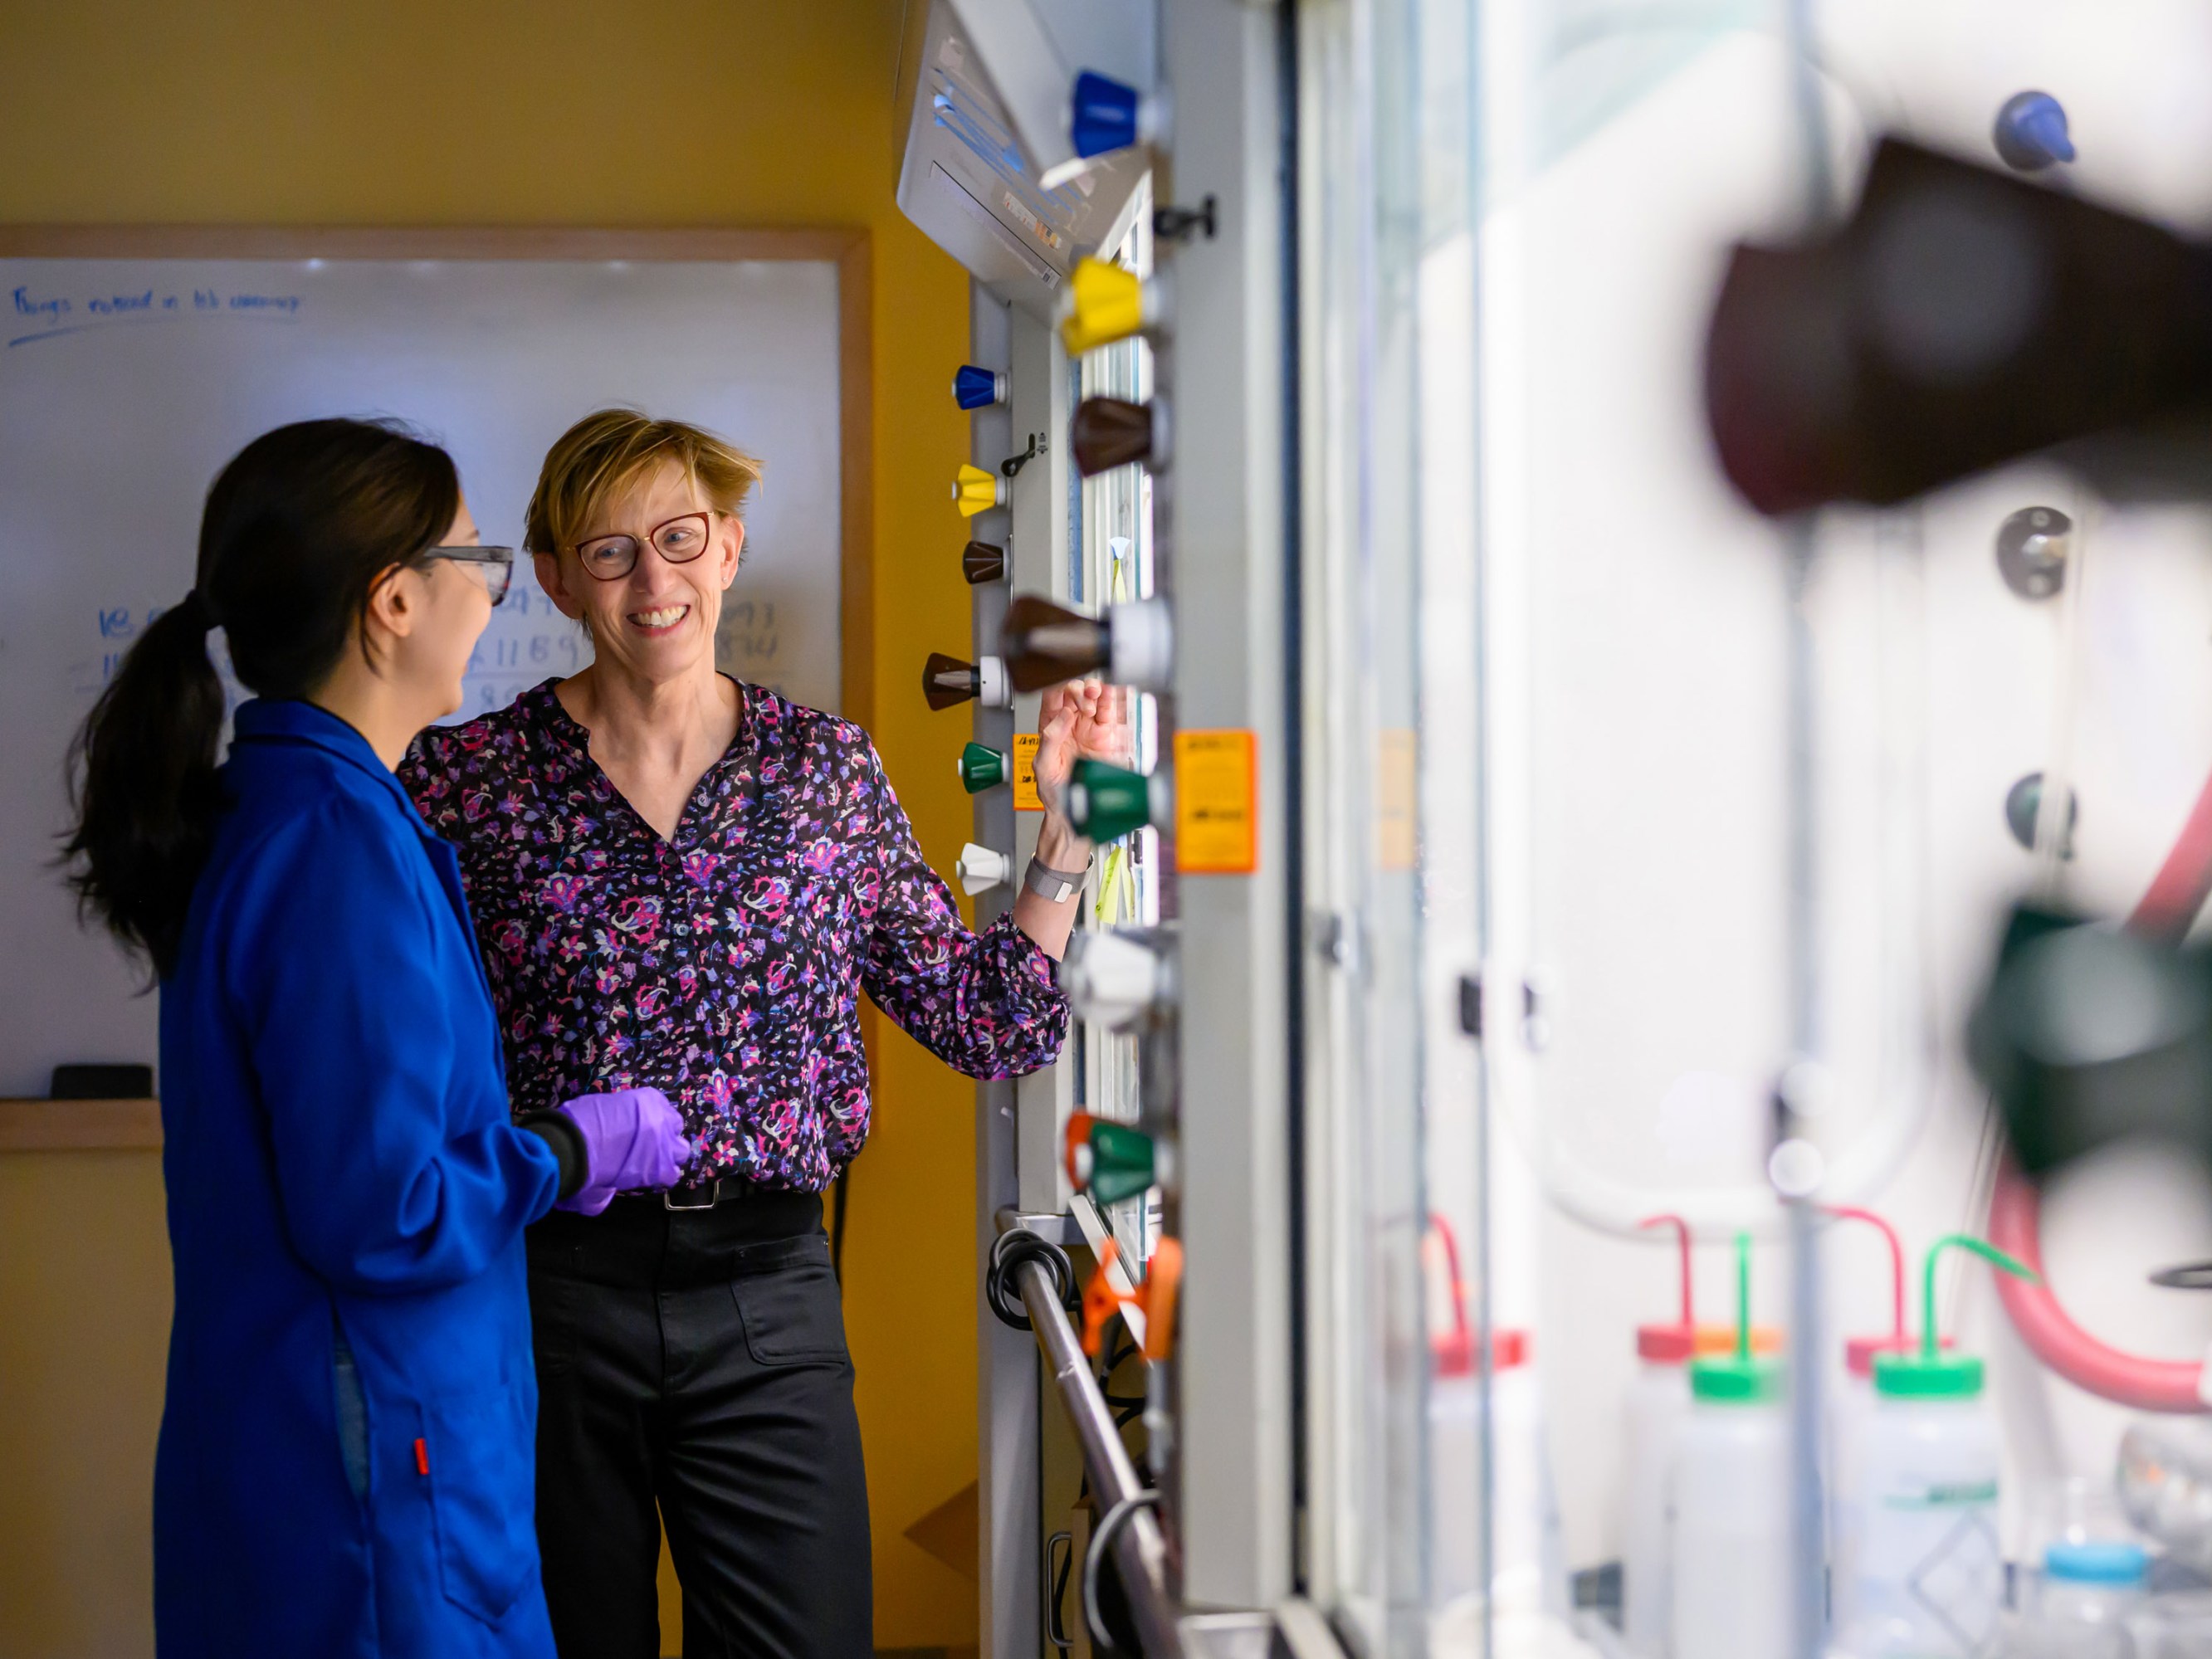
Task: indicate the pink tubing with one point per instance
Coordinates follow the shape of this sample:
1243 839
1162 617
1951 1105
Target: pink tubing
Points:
2183 882
2176 893
2149 1385
1852 1212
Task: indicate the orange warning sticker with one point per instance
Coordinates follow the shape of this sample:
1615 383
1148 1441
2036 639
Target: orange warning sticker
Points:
1397 785
1026 799
1217 786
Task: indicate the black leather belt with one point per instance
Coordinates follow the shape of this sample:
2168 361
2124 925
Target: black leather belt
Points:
706 1195
654 1241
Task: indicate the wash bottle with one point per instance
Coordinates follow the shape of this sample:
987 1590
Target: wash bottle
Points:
1850 1406
1658 1404
1527 1570
1730 1500
1930 1579
1529 1565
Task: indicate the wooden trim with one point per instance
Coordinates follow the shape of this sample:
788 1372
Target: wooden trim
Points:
846 249
80 1126
856 587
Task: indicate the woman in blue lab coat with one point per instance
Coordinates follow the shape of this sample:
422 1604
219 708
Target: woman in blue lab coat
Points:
345 1464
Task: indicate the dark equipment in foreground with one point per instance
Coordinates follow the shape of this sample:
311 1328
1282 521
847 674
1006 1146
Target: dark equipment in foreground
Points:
1961 318
2089 1033
1964 316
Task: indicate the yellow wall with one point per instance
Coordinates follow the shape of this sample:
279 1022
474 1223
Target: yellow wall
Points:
749 113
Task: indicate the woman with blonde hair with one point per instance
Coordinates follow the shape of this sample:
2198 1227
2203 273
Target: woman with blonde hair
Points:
684 881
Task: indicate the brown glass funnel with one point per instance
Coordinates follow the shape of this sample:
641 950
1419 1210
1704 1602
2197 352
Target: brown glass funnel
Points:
1108 433
1044 644
980 563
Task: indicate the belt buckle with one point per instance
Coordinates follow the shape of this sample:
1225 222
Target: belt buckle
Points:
713 1190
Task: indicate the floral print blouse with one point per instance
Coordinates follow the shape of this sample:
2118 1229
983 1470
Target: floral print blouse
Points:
725 967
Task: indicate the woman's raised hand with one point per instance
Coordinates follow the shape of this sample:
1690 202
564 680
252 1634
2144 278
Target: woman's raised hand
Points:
1078 720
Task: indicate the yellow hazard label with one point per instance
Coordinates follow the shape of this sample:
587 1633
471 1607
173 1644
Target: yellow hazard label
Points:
1217 786
1026 799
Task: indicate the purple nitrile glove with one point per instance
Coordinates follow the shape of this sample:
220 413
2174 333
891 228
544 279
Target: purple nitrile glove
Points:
633 1139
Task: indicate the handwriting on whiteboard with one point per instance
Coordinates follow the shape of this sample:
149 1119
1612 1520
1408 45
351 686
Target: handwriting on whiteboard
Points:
117 627
521 650
528 642
45 315
747 638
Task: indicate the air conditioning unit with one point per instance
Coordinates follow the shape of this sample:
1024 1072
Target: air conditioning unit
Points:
988 132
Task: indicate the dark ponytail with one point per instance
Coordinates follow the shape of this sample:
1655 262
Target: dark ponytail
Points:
296 530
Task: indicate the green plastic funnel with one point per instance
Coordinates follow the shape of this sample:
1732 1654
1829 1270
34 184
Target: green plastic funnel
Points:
982 768
1107 802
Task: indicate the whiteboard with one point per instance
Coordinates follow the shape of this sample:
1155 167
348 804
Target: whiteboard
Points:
125 383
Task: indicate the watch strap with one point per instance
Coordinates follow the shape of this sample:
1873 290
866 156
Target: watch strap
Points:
1051 884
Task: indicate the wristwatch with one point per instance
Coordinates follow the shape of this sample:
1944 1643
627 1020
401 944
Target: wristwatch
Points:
1053 884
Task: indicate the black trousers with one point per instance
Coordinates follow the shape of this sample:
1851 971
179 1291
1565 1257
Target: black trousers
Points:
695 1363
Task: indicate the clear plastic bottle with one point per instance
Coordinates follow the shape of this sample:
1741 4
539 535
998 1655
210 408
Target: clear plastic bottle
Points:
1851 1407
1658 1405
1456 1419
2091 1592
1529 1573
1456 1480
1930 1579
1728 1504
1528 1565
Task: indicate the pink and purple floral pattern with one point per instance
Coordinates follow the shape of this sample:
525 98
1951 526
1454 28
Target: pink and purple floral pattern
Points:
724 968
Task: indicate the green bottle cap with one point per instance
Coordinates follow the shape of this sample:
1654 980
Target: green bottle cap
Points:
981 768
1106 803
1120 1161
1732 1381
1741 1378
1914 1376
1931 1374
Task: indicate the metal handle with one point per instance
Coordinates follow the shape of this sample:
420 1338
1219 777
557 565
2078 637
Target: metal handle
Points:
1140 1551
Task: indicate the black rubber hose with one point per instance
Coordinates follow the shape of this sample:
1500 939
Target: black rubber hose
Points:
1109 1633
1009 1252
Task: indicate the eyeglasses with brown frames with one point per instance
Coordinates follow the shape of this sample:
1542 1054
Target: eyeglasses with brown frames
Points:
679 540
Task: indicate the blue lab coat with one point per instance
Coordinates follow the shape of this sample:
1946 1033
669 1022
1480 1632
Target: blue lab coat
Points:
347 1196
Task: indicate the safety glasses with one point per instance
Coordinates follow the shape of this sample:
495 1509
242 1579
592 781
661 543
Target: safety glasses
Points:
498 564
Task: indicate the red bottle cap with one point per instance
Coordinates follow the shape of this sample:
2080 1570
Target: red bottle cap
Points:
1675 1343
1452 1351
